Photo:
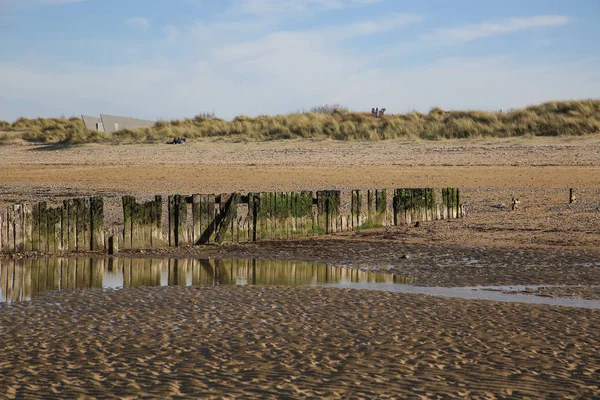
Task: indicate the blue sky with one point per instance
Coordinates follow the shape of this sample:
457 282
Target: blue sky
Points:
161 59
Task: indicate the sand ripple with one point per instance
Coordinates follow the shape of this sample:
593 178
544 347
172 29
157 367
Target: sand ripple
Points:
292 342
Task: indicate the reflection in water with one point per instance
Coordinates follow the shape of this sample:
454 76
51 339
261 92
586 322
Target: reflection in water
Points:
23 279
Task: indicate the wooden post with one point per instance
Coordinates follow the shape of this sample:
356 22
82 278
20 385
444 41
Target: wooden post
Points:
251 219
2 231
127 224
87 216
43 227
72 216
97 222
113 245
136 222
572 198
356 209
64 226
322 200
380 206
228 216
157 223
51 237
79 224
182 231
196 219
371 205
28 227
207 218
57 229
19 228
172 222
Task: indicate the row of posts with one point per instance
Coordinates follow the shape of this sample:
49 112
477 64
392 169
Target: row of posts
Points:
78 224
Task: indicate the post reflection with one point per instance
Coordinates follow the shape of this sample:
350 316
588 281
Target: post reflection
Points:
23 279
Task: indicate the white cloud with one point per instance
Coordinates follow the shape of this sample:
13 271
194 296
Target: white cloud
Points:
478 31
138 23
51 2
271 7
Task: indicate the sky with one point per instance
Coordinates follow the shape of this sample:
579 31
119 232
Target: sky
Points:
168 59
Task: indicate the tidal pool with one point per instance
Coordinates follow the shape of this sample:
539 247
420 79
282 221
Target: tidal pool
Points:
23 279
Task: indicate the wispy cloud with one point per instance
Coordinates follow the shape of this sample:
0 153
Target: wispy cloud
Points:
485 29
51 2
138 23
271 7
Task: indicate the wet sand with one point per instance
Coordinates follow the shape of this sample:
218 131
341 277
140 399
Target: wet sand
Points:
297 342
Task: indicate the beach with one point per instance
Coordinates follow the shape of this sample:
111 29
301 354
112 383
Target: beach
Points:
297 342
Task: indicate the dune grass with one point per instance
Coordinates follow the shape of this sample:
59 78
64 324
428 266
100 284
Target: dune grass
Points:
564 118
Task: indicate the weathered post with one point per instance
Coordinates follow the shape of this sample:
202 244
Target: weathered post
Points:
28 227
57 229
2 231
380 206
182 231
136 225
113 245
97 222
572 197
196 219
127 224
43 225
251 219
51 236
19 228
157 236
229 214
72 216
356 209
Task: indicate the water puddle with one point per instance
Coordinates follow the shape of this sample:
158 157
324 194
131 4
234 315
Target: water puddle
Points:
22 280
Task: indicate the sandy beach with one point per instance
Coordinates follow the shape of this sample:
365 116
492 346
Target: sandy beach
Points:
293 342
301 342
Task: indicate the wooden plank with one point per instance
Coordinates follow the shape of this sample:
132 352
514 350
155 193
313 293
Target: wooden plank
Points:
356 209
42 227
380 206
87 216
182 228
196 219
157 235
127 227
79 224
10 232
229 214
208 216
71 225
97 223
64 227
172 221
251 219
457 203
50 237
57 229
19 228
136 222
2 234
371 206
322 221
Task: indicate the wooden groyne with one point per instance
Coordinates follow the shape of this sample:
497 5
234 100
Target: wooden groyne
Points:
78 224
